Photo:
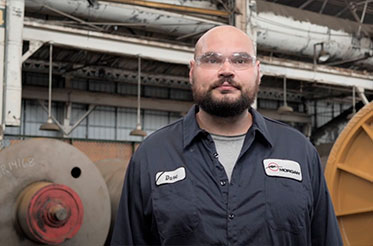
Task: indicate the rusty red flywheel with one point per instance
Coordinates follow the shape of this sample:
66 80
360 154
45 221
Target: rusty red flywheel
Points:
50 213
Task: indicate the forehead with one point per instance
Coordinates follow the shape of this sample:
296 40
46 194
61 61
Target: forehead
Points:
225 41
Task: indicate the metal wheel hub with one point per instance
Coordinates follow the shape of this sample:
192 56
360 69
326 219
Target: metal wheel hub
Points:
50 213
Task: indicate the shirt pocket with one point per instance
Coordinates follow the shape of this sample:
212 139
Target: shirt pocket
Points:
286 204
175 208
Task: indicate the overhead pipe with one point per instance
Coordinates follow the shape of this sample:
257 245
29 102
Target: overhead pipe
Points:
280 28
286 29
175 7
13 62
148 18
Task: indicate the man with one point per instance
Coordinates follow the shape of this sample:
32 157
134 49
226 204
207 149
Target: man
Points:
224 174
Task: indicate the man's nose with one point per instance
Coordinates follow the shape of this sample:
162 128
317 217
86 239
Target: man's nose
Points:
226 69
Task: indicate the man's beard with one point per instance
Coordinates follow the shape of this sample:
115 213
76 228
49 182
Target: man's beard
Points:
225 107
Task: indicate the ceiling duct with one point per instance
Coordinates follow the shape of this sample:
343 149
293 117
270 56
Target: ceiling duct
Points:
150 19
295 31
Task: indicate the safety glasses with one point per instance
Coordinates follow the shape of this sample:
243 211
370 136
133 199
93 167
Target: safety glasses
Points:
213 60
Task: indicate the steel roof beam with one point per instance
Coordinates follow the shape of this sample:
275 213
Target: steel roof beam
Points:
320 74
102 42
104 99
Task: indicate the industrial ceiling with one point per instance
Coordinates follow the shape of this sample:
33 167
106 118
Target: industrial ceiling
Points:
164 33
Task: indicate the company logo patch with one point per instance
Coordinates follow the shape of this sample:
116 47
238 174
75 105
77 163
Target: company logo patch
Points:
283 168
170 177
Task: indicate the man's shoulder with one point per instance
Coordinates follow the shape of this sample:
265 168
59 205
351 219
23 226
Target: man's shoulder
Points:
163 135
281 130
159 145
167 130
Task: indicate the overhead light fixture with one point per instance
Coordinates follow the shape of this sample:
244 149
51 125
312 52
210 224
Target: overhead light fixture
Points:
320 57
285 108
323 55
50 125
138 130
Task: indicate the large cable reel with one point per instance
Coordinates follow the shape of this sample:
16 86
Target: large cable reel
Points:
349 174
51 194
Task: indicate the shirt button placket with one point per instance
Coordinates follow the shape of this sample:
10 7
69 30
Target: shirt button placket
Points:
230 228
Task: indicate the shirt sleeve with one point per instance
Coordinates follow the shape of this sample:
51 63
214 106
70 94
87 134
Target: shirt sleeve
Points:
324 225
133 225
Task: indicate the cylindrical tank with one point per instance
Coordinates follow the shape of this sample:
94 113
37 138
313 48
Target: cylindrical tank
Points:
51 194
349 174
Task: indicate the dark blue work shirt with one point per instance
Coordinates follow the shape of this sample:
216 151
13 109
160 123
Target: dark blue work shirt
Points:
177 193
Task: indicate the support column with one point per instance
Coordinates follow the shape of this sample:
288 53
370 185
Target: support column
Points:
13 62
2 50
251 28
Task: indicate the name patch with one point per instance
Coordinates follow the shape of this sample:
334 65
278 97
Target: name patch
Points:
169 177
283 168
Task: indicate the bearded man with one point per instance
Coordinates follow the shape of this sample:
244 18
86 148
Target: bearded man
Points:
224 174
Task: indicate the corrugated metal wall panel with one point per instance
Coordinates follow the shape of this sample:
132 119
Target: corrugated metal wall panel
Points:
13 130
181 94
174 117
36 79
102 123
102 86
81 84
102 116
110 123
126 122
42 79
127 89
156 92
268 104
154 120
116 124
35 116
77 112
126 118
79 132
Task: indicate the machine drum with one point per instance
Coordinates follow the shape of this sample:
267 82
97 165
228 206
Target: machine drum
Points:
349 174
51 194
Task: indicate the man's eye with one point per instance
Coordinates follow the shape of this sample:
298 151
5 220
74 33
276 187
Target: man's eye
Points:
210 60
213 60
241 60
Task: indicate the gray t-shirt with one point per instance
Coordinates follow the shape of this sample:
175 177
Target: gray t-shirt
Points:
228 148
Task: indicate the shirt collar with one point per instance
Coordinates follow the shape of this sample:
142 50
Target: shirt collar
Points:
191 128
260 125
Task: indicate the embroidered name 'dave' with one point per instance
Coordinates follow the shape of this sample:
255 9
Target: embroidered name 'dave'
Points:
169 177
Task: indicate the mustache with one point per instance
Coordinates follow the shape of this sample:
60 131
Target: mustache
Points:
221 81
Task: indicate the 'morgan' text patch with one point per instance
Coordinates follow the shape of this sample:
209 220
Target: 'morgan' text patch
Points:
283 168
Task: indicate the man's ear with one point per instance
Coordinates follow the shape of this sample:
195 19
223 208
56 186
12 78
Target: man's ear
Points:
191 67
